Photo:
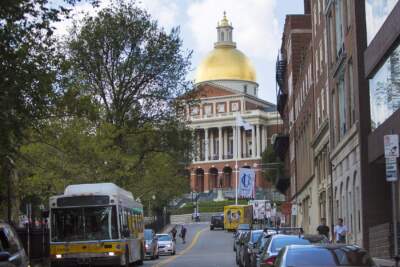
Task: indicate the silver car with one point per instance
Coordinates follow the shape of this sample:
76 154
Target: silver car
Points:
12 252
165 244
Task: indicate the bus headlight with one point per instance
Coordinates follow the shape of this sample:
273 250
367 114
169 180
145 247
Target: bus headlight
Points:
111 254
58 256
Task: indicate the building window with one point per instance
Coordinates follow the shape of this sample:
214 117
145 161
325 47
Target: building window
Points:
290 85
339 26
376 12
342 104
351 93
385 90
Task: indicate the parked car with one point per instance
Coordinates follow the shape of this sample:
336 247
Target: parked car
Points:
241 228
323 255
12 252
151 244
274 244
259 246
317 239
241 240
217 221
246 249
165 244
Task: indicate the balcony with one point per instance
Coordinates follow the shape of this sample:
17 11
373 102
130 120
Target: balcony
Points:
281 145
281 102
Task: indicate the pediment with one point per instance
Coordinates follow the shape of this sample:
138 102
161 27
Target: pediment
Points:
210 90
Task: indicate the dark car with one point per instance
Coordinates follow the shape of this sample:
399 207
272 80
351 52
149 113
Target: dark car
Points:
243 238
274 244
241 228
323 255
217 221
246 249
151 244
12 252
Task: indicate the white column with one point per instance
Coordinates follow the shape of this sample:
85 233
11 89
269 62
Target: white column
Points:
265 138
234 142
225 133
206 143
239 142
262 138
244 145
220 143
198 145
258 141
211 145
253 141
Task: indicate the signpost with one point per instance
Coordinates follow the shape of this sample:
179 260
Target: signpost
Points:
391 146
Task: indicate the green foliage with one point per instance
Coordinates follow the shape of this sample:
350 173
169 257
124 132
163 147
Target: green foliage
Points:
272 165
103 109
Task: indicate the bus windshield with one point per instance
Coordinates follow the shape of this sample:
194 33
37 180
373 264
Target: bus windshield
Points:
84 223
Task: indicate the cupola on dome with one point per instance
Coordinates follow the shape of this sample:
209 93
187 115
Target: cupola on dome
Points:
225 62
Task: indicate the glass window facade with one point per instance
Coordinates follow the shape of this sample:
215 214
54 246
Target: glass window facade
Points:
385 90
376 12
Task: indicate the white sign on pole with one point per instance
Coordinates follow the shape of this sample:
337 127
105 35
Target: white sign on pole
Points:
391 143
294 209
391 169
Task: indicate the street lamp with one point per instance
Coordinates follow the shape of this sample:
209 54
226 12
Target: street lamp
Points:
153 197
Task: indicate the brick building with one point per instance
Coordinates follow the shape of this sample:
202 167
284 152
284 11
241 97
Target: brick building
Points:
382 68
226 86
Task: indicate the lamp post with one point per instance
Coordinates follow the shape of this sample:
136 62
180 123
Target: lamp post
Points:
153 197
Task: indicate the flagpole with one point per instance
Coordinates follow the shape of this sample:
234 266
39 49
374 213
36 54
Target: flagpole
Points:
236 163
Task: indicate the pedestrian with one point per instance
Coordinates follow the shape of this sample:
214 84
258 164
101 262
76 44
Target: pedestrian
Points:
323 229
340 231
173 233
183 233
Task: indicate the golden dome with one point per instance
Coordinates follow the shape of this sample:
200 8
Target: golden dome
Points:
225 63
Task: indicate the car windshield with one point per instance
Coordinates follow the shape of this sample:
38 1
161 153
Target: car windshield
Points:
86 223
148 234
164 238
278 243
255 236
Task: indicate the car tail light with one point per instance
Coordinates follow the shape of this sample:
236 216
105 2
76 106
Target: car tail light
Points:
270 261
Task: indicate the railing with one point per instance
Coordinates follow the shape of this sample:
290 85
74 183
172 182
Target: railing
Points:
229 156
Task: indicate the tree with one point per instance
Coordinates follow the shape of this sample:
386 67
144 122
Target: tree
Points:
132 67
27 72
273 166
116 114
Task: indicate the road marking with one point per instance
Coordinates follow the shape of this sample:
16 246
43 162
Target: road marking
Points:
183 252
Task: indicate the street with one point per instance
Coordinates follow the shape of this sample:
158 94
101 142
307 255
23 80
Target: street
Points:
203 248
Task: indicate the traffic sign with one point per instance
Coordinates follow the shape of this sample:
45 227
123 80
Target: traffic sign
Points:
391 143
391 169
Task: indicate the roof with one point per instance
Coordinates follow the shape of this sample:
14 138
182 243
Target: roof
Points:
96 189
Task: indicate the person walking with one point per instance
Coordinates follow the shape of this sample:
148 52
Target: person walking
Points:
323 229
183 234
173 233
340 232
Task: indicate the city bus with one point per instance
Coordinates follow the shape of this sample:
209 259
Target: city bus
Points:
96 224
237 214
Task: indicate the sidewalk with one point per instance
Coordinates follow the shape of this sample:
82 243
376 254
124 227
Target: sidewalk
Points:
384 263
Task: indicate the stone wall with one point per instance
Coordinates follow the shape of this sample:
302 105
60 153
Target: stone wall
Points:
379 241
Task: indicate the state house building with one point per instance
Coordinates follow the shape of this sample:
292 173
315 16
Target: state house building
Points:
225 86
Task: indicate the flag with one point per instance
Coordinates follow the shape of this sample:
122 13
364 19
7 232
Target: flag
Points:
246 182
241 122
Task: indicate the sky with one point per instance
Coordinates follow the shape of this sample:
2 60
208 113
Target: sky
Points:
258 26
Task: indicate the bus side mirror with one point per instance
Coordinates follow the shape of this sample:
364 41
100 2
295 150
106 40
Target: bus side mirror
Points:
4 256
